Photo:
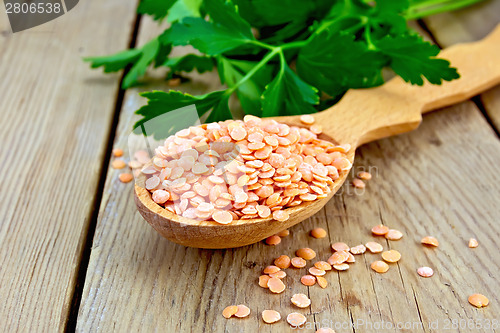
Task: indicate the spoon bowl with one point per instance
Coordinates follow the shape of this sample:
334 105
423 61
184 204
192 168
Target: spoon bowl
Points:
361 116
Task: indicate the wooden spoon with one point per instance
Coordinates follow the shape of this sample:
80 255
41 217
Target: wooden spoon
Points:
361 116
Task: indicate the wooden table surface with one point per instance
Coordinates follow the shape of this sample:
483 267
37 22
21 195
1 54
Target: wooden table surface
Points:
76 255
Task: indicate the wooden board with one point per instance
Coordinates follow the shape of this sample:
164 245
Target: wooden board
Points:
435 181
56 118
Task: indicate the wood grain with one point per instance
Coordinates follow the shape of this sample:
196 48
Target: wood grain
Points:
56 117
438 180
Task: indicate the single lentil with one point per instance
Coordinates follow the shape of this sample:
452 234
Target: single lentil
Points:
391 256
318 233
243 311
394 235
263 279
380 230
321 281
308 280
301 300
429 240
473 243
298 262
425 271
340 247
379 266
306 253
364 175
296 319
230 311
270 316
282 261
273 240
478 300
276 285
374 247
358 249
117 152
125 177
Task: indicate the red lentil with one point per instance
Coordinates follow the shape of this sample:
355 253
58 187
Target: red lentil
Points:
276 285
473 243
340 246
273 240
379 266
308 280
270 316
425 271
282 261
394 235
321 281
125 177
374 247
243 311
306 253
301 300
380 230
296 319
298 262
429 240
478 300
391 256
318 233
230 311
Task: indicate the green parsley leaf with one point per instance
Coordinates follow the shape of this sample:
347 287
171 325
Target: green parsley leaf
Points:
227 31
190 62
232 71
287 94
184 8
412 57
140 59
114 62
334 63
161 123
155 8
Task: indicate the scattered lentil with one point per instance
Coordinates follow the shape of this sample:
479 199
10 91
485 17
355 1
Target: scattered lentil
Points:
338 258
478 300
263 279
243 311
296 319
301 300
270 316
358 249
318 233
425 271
321 281
230 311
374 247
118 164
276 285
379 266
394 235
298 262
316 271
273 240
308 280
429 240
340 247
117 152
341 267
271 269
391 256
358 183
282 261
380 230
364 175
306 253
125 177
323 265
473 243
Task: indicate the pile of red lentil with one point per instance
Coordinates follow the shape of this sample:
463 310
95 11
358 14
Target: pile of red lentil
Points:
243 169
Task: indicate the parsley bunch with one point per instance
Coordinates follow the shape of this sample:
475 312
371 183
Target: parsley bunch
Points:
283 57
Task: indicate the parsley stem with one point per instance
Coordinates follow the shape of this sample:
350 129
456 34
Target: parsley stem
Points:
431 7
275 50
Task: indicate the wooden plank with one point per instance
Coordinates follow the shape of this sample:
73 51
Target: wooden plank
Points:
56 118
434 181
465 25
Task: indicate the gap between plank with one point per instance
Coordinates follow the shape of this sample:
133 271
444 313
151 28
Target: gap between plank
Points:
79 284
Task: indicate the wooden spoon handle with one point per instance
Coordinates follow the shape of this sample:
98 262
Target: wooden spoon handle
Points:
396 107
479 66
